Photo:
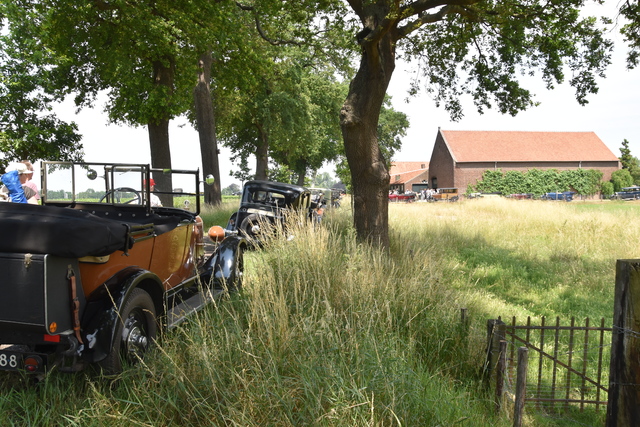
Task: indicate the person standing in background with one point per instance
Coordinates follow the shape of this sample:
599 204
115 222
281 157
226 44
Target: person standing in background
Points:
30 183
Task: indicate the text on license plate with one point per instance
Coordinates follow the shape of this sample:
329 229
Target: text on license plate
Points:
9 360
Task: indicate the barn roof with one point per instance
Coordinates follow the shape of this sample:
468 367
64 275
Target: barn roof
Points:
520 146
403 167
402 172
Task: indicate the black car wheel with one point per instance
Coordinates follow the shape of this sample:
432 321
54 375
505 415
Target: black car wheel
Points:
250 226
135 331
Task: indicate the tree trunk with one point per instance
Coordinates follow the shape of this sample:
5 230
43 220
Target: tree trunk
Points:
359 123
262 156
301 170
161 158
159 135
205 122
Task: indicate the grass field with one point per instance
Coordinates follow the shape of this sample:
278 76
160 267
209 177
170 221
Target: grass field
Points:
329 332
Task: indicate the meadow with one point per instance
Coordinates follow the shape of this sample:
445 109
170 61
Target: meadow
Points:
330 332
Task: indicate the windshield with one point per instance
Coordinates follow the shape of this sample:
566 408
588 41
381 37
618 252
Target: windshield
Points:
119 184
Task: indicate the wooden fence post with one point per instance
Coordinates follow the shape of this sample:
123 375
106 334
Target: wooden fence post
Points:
623 407
521 386
495 333
500 373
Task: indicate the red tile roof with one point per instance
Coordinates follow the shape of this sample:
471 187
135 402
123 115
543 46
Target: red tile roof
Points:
401 178
403 167
500 146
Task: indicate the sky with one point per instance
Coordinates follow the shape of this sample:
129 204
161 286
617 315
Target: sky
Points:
613 114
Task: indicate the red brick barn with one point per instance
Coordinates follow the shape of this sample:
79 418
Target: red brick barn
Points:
459 158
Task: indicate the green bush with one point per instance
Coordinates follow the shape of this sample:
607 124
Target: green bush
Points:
607 188
620 179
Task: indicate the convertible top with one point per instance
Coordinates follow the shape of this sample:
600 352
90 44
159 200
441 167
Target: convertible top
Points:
65 232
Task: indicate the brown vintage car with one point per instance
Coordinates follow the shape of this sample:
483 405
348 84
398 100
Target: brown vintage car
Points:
94 273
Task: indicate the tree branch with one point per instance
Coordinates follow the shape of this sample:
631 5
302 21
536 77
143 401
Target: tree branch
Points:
428 18
261 32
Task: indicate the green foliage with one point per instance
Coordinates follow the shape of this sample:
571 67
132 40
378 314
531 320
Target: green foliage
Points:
28 131
537 182
620 179
607 188
629 162
631 30
324 180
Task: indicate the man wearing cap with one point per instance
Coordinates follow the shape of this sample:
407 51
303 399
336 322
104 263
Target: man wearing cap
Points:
154 199
17 174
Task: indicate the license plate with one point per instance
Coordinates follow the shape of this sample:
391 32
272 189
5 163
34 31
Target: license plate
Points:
10 360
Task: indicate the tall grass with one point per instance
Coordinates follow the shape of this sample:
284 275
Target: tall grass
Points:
330 332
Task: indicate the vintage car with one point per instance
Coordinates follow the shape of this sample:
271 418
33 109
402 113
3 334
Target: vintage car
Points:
567 196
449 194
93 274
267 204
402 197
628 193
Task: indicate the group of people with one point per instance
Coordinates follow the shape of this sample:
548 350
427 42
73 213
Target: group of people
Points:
18 185
427 193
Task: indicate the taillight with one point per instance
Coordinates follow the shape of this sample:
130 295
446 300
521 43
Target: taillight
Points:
33 364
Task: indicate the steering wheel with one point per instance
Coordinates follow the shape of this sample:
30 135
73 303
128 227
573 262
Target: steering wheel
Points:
116 195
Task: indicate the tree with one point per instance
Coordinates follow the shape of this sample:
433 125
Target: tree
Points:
324 180
629 162
145 55
231 189
27 129
489 43
392 126
620 179
285 108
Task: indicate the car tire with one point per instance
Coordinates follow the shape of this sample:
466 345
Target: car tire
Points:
135 332
246 227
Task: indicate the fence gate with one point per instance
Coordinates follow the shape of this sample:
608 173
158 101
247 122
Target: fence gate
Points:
566 363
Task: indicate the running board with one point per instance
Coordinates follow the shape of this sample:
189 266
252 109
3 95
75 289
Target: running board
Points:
180 312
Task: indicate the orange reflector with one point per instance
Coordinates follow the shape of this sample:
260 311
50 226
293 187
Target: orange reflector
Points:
216 233
53 326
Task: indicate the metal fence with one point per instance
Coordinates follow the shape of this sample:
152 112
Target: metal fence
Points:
567 364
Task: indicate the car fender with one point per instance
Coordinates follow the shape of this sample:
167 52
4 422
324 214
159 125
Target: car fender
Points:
103 310
222 264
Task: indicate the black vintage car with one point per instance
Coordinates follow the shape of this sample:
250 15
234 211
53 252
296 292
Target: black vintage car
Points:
96 272
267 203
628 193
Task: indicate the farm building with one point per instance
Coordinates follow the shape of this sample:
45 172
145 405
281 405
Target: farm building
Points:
405 174
459 158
